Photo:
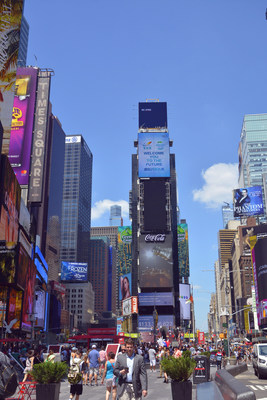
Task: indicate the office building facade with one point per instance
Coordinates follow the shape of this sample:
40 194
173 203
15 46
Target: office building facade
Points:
115 218
23 42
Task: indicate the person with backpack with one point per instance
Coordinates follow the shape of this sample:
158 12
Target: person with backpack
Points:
75 377
110 377
8 377
219 357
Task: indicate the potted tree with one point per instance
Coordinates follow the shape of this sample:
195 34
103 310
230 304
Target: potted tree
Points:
179 370
48 376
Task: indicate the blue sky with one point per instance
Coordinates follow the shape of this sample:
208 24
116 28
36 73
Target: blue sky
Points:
207 59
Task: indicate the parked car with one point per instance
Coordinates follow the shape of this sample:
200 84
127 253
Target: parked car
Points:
259 360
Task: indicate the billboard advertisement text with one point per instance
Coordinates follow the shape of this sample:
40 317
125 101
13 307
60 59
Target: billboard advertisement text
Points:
155 263
10 23
184 296
183 250
146 322
75 272
22 123
153 155
157 299
248 201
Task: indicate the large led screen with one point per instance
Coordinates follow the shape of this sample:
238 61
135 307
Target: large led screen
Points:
153 115
146 322
155 215
22 123
183 250
14 308
259 257
184 296
125 291
7 264
153 155
10 193
155 261
10 23
259 231
40 308
22 267
28 297
124 253
248 201
75 272
155 299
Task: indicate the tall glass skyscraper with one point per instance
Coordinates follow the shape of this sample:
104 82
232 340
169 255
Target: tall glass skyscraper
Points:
115 216
252 151
23 42
227 214
76 206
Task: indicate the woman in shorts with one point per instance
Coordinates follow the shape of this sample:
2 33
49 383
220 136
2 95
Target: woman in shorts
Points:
77 389
110 378
85 369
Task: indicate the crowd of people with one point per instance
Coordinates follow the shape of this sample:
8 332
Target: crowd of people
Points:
96 367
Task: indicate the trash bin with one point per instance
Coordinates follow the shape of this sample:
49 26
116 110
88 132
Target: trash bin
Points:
202 369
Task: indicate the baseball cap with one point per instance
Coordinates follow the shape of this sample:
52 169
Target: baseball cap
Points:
94 346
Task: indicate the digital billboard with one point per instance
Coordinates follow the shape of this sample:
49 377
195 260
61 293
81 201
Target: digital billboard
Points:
157 299
10 23
248 201
125 291
259 258
155 261
124 254
14 308
22 123
184 296
183 250
22 268
146 322
75 272
7 264
10 193
153 115
259 231
39 137
39 310
155 214
28 297
153 155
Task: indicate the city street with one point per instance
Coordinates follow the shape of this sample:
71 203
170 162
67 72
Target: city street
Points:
259 386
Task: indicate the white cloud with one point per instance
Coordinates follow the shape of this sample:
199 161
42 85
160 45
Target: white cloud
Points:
220 180
102 206
196 287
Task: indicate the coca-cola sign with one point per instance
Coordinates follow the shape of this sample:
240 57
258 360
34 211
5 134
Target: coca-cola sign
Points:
160 237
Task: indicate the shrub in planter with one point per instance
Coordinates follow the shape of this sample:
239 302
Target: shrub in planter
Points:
179 370
48 376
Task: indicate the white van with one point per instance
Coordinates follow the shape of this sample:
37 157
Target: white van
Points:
259 359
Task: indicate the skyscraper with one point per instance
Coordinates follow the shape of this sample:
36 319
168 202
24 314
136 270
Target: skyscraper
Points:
227 214
76 205
115 218
252 152
23 42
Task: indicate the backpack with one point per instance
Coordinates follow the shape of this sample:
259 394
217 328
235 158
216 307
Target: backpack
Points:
74 375
219 357
8 378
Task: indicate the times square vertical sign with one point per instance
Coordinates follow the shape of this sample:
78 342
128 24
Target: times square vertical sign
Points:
39 137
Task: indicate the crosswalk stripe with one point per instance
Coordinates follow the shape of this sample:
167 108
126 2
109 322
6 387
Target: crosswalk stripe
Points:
260 387
252 387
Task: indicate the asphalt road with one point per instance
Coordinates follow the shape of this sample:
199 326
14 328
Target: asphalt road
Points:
259 386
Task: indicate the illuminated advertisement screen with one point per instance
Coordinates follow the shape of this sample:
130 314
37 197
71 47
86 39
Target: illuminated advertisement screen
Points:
14 308
7 264
22 267
153 155
155 215
260 231
124 254
125 286
157 299
155 261
248 201
153 115
146 322
183 250
259 255
10 203
3 305
184 296
22 123
29 291
75 272
11 14
40 308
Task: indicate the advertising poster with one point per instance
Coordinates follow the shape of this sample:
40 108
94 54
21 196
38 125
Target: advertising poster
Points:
75 272
248 202
10 193
157 299
39 311
124 254
184 296
259 258
22 123
183 250
29 292
14 309
125 286
7 263
153 155
155 261
259 231
10 23
153 115
146 322
23 263
119 324
3 297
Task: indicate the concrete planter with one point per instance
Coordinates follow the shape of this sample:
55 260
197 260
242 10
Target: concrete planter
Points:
48 391
181 390
232 361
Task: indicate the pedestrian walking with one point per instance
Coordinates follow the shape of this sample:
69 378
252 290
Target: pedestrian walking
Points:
94 360
110 377
131 372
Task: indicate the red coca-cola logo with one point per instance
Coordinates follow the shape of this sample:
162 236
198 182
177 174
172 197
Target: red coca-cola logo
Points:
160 237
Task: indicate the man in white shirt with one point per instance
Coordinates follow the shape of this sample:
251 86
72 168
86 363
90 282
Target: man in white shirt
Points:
152 359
